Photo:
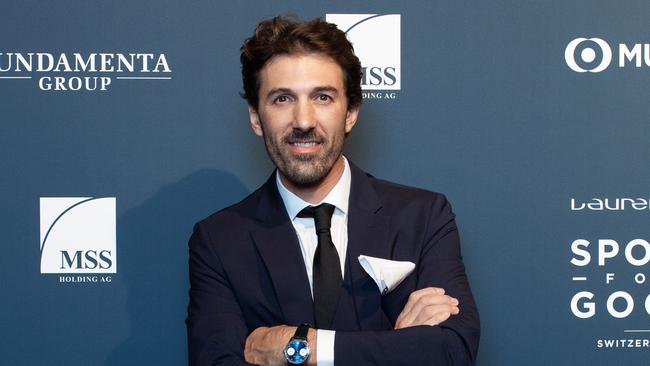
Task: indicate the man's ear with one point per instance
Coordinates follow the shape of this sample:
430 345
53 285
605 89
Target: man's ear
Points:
351 118
254 117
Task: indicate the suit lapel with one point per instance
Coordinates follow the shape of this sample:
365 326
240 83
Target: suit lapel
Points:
367 235
277 243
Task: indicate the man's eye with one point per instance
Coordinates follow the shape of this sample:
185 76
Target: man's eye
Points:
282 99
324 98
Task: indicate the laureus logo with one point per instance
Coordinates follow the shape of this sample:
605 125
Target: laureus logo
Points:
594 55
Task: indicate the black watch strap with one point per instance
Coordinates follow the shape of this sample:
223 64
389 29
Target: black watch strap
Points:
302 330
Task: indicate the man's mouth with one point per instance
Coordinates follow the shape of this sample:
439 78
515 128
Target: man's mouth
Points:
304 147
304 144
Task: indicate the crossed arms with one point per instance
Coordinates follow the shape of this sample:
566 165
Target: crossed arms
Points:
431 327
429 307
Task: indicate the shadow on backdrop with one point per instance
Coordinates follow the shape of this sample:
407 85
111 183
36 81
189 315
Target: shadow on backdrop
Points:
153 264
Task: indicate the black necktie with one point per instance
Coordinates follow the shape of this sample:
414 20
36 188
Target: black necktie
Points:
327 267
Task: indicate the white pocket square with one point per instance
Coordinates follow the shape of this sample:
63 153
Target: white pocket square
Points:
387 274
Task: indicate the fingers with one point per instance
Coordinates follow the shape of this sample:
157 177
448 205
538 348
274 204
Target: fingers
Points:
434 315
416 295
423 297
427 306
431 319
430 315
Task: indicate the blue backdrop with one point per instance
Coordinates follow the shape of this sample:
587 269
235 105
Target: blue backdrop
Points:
487 101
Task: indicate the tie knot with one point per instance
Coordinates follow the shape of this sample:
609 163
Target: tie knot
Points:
322 215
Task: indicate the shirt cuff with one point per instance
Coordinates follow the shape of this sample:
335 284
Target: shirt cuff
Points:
325 347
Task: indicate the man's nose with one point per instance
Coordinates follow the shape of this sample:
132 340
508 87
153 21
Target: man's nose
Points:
303 118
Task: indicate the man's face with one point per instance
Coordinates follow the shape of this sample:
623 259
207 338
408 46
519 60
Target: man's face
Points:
303 115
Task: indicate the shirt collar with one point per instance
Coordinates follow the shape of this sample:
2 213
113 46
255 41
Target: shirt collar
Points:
338 196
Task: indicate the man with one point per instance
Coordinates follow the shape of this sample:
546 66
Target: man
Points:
287 255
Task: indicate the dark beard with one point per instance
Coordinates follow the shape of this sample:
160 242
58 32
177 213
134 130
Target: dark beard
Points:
304 169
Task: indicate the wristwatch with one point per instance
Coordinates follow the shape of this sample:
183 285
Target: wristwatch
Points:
297 350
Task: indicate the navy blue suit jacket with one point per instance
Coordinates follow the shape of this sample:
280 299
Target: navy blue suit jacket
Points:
247 271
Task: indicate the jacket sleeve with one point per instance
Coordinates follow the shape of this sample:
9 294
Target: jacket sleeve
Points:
216 330
451 343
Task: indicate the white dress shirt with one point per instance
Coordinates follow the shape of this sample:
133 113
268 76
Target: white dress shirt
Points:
306 231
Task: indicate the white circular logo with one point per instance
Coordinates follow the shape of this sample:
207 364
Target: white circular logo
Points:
588 55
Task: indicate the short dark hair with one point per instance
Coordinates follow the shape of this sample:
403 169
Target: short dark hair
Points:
287 36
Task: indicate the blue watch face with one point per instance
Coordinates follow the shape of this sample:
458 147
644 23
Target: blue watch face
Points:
297 351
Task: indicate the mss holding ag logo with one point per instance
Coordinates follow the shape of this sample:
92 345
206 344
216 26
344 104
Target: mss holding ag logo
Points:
595 55
376 41
78 236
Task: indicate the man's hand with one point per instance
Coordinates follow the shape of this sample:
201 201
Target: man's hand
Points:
428 306
265 346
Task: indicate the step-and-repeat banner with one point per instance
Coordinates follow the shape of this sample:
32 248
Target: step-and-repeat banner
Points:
122 125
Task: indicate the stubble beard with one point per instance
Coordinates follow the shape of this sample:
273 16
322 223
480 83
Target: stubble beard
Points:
304 169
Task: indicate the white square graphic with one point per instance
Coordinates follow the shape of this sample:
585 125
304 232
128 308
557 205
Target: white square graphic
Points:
78 235
376 41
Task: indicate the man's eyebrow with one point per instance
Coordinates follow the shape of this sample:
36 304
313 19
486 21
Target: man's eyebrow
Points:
277 91
319 89
326 88
316 89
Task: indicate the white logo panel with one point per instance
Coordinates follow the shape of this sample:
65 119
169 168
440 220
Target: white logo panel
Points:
78 235
376 41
